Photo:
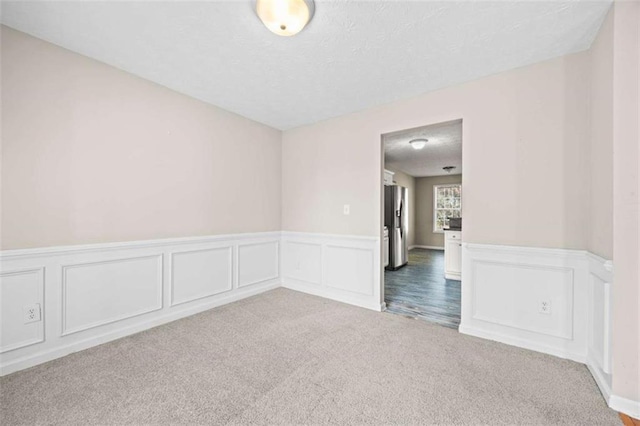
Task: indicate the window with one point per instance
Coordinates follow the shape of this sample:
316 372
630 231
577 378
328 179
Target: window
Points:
447 202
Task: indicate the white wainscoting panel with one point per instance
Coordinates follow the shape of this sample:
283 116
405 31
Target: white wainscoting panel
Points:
521 288
599 338
20 288
94 294
196 274
258 262
343 268
349 269
504 287
303 261
97 293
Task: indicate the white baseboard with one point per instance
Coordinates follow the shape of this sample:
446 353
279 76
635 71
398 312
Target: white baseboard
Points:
625 406
426 247
617 403
522 343
601 380
332 294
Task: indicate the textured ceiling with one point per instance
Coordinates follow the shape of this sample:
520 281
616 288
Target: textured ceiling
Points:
443 149
352 56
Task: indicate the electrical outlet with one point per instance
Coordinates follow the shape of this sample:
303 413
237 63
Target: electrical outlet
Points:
31 313
347 209
545 307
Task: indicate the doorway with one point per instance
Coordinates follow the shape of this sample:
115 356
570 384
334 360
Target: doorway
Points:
422 215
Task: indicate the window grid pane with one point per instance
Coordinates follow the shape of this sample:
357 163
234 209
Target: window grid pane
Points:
448 204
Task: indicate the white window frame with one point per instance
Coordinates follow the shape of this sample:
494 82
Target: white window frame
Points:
435 204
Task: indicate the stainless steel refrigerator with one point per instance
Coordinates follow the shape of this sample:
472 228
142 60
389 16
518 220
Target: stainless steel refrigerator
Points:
396 219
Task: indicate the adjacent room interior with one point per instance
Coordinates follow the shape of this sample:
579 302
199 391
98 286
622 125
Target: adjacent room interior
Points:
422 234
193 207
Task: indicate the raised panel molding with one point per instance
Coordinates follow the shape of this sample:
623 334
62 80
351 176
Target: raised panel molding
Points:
511 293
349 269
599 324
258 262
339 267
17 289
197 274
302 261
99 293
503 287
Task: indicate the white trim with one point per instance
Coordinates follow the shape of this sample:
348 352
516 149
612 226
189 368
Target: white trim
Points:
319 273
59 342
333 294
154 303
172 256
599 322
563 333
321 236
85 248
567 335
540 251
600 379
426 247
159 284
626 406
277 262
522 343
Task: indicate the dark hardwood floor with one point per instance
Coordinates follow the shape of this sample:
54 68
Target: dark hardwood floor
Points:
419 290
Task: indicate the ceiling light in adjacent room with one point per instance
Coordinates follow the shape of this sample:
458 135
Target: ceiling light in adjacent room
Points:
285 17
419 143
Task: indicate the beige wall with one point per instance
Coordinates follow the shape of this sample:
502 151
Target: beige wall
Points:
424 209
524 157
626 204
408 182
601 142
92 154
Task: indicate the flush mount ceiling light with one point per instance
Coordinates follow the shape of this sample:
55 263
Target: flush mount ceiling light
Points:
285 17
418 143
448 169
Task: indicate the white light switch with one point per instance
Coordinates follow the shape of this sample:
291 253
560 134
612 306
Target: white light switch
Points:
347 209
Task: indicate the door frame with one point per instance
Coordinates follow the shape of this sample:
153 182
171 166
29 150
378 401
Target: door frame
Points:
381 169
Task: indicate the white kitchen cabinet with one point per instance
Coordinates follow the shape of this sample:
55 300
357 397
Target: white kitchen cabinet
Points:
452 255
388 177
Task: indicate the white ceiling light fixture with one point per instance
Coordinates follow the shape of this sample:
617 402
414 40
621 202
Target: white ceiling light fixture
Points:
285 17
418 143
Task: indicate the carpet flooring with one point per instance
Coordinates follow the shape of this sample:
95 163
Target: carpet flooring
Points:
284 357
419 290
